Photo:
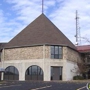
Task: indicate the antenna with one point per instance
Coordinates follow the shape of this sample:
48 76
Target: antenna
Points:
77 18
80 36
42 5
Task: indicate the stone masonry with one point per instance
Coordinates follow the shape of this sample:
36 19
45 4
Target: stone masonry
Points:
71 55
25 53
36 52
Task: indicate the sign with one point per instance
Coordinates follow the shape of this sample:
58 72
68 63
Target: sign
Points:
88 86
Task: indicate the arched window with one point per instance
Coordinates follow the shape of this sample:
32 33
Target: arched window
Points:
34 73
11 73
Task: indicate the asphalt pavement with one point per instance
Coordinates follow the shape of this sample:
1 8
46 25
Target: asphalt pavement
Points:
34 85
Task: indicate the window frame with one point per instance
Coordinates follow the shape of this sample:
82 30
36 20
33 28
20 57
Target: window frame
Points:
38 73
54 54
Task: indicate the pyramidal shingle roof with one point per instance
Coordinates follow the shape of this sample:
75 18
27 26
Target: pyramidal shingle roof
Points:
40 31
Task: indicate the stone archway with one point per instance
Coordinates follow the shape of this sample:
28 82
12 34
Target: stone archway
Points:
11 73
34 73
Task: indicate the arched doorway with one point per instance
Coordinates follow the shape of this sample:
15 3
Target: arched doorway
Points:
34 73
11 73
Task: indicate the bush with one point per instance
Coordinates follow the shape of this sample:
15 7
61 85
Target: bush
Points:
78 77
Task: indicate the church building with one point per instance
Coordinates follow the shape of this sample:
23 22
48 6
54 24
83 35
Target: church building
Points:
39 52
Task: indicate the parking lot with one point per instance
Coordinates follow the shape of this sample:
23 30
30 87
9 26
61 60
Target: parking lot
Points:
34 85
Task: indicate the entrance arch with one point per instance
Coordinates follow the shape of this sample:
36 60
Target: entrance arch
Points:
34 73
11 73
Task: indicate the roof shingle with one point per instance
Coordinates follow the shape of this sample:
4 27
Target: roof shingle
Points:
40 31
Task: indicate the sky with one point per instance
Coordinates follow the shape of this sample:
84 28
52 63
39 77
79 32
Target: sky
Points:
17 14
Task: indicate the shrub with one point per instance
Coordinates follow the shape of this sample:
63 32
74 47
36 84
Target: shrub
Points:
78 77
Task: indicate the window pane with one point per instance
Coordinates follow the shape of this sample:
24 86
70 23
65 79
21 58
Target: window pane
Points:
30 71
60 56
52 49
11 70
52 56
27 72
56 56
56 49
34 70
40 72
60 50
16 71
7 71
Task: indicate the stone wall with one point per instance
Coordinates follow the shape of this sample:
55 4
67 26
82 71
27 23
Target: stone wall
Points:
65 53
39 52
24 57
25 53
47 52
72 55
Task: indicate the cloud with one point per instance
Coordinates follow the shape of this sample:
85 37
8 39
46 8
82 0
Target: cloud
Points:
60 12
64 17
28 10
25 12
21 15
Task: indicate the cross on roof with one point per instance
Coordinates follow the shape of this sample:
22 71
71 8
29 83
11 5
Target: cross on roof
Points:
42 5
